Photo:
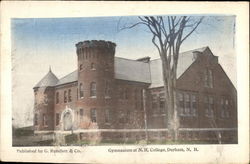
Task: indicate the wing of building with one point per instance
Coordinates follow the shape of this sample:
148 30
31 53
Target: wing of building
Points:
123 98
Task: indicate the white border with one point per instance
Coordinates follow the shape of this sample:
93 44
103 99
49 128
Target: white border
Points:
99 154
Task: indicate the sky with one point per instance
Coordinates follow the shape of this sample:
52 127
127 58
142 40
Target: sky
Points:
38 43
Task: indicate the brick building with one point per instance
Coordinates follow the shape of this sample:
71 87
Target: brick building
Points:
110 97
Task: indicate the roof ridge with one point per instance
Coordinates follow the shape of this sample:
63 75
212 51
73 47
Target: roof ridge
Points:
184 52
130 59
67 74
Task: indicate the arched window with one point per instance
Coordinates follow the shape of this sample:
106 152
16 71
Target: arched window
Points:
93 89
69 95
80 67
81 90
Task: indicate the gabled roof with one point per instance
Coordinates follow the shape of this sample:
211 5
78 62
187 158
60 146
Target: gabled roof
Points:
73 76
48 80
185 60
132 70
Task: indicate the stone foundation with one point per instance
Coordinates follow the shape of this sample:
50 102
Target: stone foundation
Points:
135 136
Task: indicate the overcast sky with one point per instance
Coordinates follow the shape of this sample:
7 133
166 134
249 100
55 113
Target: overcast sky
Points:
39 43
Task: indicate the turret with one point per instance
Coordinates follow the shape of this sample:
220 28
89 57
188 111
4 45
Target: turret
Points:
44 102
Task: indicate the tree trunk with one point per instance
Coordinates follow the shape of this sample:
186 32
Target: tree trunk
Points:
171 106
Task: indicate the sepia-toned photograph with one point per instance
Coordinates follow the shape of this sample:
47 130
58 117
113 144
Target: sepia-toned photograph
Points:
160 79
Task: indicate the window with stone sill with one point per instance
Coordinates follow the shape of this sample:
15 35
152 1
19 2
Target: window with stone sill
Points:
208 78
93 115
65 96
162 105
126 93
187 104
106 67
81 114
81 91
225 108
107 90
209 106
107 116
92 66
93 90
69 95
120 90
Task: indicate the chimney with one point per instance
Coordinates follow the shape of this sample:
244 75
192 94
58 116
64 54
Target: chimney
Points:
196 54
145 59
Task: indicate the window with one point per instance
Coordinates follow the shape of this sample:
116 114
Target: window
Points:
141 94
225 108
69 95
36 119
187 104
107 89
81 67
93 115
65 96
126 93
81 113
208 78
181 103
122 117
57 97
107 115
93 89
92 66
193 105
106 67
127 116
121 93
57 119
209 106
44 120
154 103
162 105
135 98
81 90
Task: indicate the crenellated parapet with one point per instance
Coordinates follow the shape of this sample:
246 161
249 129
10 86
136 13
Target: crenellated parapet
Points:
88 45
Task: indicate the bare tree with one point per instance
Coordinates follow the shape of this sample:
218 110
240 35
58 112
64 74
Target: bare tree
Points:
168 35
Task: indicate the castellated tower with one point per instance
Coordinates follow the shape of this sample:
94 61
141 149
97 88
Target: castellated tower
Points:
95 80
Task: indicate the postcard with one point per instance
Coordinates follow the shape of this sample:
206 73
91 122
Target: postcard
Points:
127 82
